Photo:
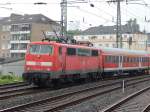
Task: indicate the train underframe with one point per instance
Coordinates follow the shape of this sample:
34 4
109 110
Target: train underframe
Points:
43 79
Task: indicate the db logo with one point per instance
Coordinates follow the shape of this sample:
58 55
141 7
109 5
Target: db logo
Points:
38 63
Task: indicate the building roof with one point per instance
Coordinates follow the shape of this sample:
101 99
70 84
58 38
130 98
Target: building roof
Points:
131 27
27 18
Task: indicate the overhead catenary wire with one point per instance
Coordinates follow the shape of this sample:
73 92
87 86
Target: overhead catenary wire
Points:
86 11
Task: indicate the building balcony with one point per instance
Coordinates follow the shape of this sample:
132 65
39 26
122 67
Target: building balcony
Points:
20 32
19 41
18 51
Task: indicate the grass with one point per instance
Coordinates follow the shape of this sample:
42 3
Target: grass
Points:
5 79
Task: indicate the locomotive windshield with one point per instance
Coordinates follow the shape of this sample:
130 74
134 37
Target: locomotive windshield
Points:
41 49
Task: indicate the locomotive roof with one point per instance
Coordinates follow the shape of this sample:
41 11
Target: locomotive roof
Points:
63 44
103 49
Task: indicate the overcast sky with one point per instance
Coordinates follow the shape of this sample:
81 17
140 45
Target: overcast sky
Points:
82 14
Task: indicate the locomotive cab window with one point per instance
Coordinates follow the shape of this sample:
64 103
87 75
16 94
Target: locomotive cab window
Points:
71 51
41 49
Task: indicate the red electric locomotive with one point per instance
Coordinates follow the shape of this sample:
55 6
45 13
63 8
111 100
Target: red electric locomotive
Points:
47 63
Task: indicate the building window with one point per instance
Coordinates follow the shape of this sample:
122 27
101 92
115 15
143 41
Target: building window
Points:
15 37
25 37
14 46
7 54
22 55
100 45
82 38
110 37
6 28
25 27
23 46
107 45
3 37
113 45
103 37
125 36
94 37
15 28
3 55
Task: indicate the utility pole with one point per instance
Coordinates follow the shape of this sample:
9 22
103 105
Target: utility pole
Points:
118 24
119 32
64 18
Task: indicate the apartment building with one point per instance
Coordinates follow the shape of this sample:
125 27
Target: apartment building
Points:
105 36
17 31
4 38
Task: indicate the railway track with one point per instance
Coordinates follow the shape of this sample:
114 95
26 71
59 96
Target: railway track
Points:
15 89
13 85
20 92
132 103
26 89
147 108
58 102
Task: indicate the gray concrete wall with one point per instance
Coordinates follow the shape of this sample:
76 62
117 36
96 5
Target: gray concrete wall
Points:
16 68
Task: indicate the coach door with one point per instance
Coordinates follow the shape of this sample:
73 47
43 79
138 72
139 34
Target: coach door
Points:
120 62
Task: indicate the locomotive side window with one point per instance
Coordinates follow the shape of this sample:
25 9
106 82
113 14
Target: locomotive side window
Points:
94 52
71 51
83 52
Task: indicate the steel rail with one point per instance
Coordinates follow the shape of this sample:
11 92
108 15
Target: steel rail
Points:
123 100
13 85
58 106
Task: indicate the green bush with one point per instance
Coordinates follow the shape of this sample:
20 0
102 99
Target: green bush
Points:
10 77
4 79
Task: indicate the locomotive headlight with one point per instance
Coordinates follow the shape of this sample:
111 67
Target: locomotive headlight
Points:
30 63
28 68
48 69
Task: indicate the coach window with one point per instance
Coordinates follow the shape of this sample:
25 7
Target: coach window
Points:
114 60
128 59
124 59
134 60
109 59
71 51
142 59
94 52
105 58
84 52
137 59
